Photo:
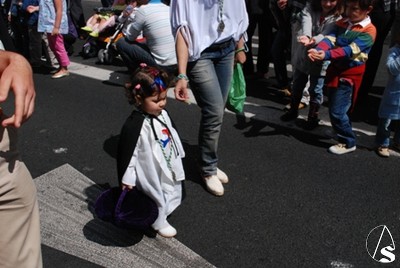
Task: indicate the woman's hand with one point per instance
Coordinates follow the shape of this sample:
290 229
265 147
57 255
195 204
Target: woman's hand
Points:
240 57
55 31
181 90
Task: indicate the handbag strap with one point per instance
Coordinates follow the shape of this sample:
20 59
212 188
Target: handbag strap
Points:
120 200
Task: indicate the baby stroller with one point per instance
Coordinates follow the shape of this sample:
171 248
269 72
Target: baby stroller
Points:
107 55
91 48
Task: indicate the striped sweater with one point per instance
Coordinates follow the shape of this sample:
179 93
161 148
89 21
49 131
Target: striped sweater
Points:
348 44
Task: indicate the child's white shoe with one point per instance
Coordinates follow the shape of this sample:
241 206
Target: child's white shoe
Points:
167 231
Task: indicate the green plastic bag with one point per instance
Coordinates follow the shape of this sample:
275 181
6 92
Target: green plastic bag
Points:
237 92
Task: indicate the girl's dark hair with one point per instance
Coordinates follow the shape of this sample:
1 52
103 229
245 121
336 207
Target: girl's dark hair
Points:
338 10
146 81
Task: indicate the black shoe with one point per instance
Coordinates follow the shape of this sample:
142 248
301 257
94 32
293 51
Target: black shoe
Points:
289 115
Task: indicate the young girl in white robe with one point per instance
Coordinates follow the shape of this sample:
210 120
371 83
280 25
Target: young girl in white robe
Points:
150 151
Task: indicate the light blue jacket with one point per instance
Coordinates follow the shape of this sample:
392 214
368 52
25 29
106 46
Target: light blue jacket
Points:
390 103
47 16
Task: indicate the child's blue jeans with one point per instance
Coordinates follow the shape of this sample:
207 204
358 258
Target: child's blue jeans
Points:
339 105
383 132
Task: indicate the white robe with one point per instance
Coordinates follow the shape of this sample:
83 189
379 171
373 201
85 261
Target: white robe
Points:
148 169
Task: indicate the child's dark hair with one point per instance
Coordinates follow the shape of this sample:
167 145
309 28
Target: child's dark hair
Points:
146 81
338 10
142 2
364 4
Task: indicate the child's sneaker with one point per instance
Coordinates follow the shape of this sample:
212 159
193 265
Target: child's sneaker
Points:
94 34
87 28
383 151
341 148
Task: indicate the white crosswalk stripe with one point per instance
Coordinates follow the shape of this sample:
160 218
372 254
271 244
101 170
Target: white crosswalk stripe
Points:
66 199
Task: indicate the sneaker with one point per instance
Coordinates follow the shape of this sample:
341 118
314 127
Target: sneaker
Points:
223 178
383 151
60 74
94 34
87 28
341 148
214 185
289 115
167 231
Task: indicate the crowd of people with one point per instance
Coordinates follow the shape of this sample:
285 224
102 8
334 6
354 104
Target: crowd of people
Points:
42 31
334 48
195 44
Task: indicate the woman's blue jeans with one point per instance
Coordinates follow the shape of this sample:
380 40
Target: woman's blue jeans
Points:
339 105
134 53
383 132
210 79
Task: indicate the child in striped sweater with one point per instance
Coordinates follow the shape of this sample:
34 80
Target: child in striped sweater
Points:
347 47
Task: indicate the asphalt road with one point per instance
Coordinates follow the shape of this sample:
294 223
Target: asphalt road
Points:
289 203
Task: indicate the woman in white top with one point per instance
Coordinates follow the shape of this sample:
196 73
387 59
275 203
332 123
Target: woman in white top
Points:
209 37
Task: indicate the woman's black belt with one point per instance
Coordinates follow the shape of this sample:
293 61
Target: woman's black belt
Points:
219 46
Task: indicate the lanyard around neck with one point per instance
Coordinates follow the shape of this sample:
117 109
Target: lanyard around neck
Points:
221 24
